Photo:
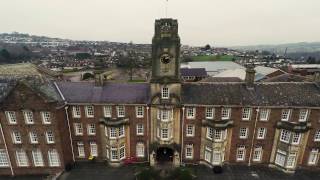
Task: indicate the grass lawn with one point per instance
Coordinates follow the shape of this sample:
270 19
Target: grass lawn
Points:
213 58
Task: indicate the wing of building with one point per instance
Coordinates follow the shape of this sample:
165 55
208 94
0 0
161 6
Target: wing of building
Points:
46 126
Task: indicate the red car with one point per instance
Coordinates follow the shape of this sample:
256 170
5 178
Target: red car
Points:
130 160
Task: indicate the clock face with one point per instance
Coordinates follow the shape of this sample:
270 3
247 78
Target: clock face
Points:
165 58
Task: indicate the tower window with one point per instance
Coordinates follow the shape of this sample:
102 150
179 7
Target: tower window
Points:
165 93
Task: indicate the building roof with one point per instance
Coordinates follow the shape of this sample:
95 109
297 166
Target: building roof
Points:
212 67
45 89
118 93
221 79
262 94
25 70
261 72
197 72
287 78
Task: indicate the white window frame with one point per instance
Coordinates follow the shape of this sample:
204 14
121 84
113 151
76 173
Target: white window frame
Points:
89 111
296 138
313 157
257 154
28 116
241 153
139 111
264 114
114 154
189 151
303 115
280 158
163 130
210 133
285 136
33 137
11 117
4 161
261 134
140 129
285 114
317 136
53 158
246 113
244 130
81 151
122 152
107 111
291 160
190 130
210 112
191 112
225 113
78 129
93 149
76 111
218 135
121 112
50 137
165 115
121 131
113 133
16 137
140 150
46 117
208 154
165 93
22 158
37 158
91 129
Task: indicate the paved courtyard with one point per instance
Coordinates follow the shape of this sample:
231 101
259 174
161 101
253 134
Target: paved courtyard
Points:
100 171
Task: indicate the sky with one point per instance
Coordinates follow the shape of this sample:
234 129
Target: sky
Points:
214 22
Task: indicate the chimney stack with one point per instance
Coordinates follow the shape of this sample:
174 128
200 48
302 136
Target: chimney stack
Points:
98 78
250 75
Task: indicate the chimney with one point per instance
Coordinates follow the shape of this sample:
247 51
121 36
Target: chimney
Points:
98 78
250 75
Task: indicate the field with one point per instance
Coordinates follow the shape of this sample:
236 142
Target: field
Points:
213 58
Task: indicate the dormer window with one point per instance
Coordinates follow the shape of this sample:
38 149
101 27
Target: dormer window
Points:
165 93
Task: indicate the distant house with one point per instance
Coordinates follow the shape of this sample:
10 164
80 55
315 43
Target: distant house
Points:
193 74
304 69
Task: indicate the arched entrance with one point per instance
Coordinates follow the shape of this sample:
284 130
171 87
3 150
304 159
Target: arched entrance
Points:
164 154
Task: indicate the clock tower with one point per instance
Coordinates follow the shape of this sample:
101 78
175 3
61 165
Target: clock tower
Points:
165 118
166 51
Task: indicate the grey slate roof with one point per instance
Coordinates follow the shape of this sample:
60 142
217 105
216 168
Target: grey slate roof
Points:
46 89
221 79
118 93
287 78
197 72
262 94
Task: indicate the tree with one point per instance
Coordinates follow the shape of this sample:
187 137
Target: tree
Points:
207 47
5 53
311 60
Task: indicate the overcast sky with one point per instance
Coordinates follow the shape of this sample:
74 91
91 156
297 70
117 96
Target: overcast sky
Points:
217 22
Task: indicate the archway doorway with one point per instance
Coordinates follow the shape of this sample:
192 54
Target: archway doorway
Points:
164 154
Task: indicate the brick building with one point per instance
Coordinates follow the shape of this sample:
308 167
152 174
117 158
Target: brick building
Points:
47 125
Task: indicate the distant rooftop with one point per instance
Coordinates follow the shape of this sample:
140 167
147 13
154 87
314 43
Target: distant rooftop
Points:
213 67
24 70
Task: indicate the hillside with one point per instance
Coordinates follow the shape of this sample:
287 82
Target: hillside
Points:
306 47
